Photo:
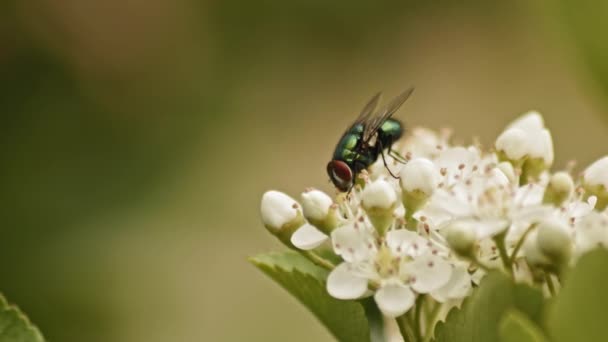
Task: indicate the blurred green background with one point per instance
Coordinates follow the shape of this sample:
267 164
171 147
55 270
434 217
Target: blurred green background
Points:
138 136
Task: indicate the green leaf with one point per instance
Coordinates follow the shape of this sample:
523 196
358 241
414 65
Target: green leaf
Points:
346 320
579 311
478 319
15 326
516 327
374 319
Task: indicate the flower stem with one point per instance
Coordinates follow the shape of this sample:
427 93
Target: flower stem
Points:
550 284
480 264
416 322
410 222
520 243
431 318
502 251
405 329
318 260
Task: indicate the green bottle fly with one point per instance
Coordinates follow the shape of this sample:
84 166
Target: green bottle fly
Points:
365 140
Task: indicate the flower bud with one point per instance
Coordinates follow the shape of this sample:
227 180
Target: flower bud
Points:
320 210
461 238
315 204
512 144
595 182
529 121
281 215
532 252
526 143
559 189
419 179
554 241
419 175
379 200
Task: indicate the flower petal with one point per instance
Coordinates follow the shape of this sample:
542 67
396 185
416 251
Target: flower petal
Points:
591 232
529 121
428 273
342 283
457 160
308 237
486 227
597 172
353 244
405 242
457 287
394 299
578 209
513 142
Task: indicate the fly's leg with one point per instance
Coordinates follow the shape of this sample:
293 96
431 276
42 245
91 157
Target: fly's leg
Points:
387 168
396 155
384 160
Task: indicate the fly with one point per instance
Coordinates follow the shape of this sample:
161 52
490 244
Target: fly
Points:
365 140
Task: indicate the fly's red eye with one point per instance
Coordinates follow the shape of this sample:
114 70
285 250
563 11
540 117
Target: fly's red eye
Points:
340 174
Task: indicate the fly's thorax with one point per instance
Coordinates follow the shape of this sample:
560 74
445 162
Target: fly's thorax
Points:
346 148
350 151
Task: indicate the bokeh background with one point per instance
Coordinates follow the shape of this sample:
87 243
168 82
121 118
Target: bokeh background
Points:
137 138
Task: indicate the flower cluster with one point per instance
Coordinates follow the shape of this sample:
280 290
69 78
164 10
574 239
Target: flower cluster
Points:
454 213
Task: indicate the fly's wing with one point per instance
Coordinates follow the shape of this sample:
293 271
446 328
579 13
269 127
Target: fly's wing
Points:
368 110
372 125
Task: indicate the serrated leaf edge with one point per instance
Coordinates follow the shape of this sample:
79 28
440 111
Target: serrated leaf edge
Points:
31 327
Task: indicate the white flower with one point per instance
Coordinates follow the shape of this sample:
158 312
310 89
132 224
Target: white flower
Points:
591 232
419 175
458 163
559 189
508 171
532 252
316 204
456 209
379 194
575 209
424 143
459 285
308 237
539 138
278 209
461 237
394 299
379 199
513 142
488 203
595 182
527 137
403 266
597 173
354 242
345 283
554 240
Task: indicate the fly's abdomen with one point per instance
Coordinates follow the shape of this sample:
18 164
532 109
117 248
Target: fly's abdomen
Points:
390 131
